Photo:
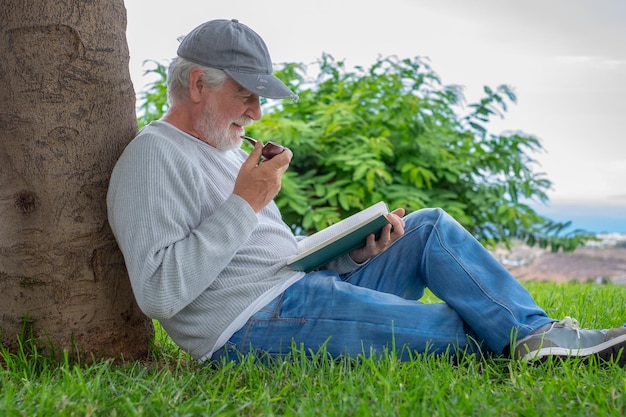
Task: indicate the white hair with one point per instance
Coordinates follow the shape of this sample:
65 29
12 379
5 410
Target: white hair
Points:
178 78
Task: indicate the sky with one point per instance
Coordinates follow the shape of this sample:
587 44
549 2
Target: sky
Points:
565 60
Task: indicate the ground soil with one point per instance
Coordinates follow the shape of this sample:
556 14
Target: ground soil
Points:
602 265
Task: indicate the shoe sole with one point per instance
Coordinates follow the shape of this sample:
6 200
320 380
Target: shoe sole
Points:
609 351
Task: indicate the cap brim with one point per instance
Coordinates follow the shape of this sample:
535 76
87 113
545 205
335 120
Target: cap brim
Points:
265 85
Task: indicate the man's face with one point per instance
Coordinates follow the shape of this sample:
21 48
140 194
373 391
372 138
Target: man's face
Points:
227 110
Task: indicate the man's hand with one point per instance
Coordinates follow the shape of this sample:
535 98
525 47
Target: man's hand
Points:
389 234
258 183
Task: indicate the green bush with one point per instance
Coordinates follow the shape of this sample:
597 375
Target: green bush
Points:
393 132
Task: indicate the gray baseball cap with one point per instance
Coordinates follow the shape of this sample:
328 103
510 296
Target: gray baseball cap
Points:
239 51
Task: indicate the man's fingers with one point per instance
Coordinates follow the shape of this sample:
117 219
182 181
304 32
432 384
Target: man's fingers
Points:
255 155
281 161
399 212
253 158
397 221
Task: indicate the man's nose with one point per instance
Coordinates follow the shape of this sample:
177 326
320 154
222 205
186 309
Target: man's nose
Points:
254 109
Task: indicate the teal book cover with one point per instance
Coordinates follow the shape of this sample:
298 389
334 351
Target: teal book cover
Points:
340 238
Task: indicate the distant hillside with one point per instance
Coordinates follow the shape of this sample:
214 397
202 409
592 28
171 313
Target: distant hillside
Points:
603 262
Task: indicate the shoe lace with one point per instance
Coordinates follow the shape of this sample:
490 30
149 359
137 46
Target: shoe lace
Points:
569 323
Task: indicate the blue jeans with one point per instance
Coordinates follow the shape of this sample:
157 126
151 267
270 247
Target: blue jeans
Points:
376 307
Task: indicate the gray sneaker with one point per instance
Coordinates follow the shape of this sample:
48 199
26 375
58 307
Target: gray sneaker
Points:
566 339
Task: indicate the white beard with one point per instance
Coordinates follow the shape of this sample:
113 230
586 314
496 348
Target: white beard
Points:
222 138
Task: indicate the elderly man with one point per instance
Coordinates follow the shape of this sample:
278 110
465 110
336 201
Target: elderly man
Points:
206 248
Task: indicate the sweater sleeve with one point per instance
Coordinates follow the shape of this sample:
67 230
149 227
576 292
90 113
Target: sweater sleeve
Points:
172 251
343 265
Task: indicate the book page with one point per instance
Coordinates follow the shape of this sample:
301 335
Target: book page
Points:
346 224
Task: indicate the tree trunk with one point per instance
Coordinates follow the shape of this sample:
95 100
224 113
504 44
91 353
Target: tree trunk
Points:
67 110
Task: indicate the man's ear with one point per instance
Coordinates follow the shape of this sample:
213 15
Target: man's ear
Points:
196 86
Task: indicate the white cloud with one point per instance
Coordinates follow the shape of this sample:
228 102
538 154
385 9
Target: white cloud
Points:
596 62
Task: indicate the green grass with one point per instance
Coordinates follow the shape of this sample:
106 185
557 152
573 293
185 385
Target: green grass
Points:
170 384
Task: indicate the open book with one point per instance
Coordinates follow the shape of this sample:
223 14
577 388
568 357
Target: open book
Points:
339 238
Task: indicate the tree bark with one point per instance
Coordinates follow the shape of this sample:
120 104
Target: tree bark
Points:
67 110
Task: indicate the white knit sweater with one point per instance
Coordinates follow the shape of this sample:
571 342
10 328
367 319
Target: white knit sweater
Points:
200 260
